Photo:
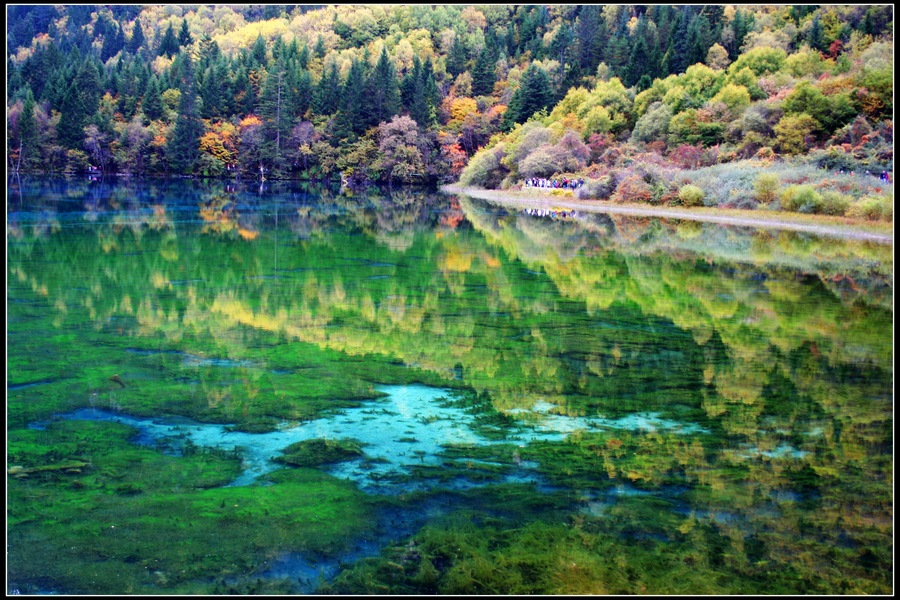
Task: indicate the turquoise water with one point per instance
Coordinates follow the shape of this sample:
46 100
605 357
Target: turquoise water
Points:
289 388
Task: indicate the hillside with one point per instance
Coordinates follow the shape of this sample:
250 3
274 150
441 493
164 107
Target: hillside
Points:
632 98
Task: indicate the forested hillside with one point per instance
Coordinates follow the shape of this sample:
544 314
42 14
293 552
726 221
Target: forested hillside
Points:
411 94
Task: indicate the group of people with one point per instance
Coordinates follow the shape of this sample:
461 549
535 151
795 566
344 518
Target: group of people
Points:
564 183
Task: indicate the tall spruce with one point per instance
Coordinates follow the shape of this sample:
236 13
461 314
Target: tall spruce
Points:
184 35
183 148
534 94
326 98
168 45
152 104
382 93
137 38
483 76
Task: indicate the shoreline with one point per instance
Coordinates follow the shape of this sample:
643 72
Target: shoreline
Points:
759 219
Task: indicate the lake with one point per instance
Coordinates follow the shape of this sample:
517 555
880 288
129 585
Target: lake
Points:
232 387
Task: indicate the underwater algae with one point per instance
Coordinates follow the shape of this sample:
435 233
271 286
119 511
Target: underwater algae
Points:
592 406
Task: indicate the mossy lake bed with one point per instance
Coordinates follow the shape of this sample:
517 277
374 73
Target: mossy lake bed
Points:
296 389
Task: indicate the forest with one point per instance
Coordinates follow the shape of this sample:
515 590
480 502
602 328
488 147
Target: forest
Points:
664 104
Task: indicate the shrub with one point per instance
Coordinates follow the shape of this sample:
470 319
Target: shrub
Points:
796 133
633 189
691 195
833 203
873 208
485 169
596 189
800 198
765 187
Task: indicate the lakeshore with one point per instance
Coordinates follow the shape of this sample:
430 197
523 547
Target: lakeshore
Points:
839 227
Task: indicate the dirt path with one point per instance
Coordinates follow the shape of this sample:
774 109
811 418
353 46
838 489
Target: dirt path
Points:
764 221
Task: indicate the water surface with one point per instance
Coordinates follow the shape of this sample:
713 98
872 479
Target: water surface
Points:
232 387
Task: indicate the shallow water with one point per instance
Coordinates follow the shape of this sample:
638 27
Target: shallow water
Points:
621 386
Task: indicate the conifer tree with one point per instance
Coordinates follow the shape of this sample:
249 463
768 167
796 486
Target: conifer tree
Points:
456 58
184 36
483 76
533 94
275 108
27 132
351 118
79 102
152 104
327 94
168 45
183 148
137 38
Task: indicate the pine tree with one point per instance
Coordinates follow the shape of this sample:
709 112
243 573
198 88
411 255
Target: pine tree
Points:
27 132
699 40
327 94
679 59
168 45
618 47
276 109
483 76
301 82
534 94
258 52
816 35
351 116
184 147
152 104
79 102
592 37
137 38
382 91
184 36
456 58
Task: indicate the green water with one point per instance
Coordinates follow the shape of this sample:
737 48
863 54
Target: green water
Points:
227 388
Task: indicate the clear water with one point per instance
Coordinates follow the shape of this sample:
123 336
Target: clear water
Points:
590 405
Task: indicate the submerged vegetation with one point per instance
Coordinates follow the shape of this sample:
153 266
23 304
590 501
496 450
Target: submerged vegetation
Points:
721 397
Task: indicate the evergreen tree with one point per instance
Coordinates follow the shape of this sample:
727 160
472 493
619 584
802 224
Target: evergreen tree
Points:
303 91
258 52
303 57
592 37
27 131
816 35
456 58
618 48
184 36
420 94
483 76
183 148
699 40
319 49
430 94
534 93
679 58
351 116
137 38
328 93
79 102
275 109
168 45
152 105
382 92
644 57
211 93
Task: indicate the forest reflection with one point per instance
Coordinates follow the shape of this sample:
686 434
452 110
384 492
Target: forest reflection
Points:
778 344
